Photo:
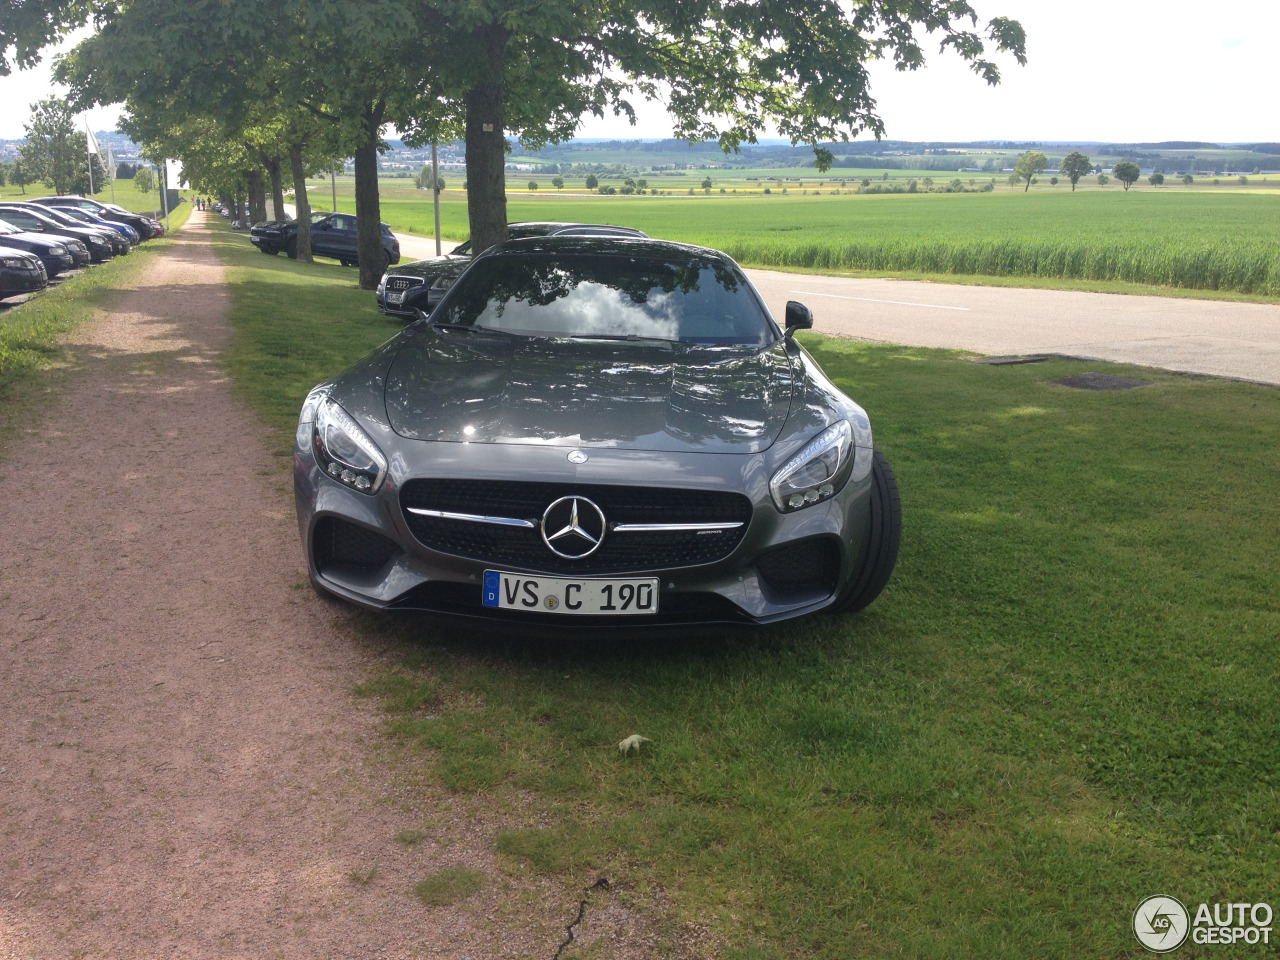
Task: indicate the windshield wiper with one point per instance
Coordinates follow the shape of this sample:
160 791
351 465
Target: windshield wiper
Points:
630 337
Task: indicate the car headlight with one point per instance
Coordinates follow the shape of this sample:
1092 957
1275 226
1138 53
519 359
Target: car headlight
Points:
382 285
443 283
820 470
58 250
341 447
6 262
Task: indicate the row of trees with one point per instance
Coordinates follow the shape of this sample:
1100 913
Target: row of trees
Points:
245 93
1076 165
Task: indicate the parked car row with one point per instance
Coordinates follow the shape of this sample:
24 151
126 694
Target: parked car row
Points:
332 235
44 237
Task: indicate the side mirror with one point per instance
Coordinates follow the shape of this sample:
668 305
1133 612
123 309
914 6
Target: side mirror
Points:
799 317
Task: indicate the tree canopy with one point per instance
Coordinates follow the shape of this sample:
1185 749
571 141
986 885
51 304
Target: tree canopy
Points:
28 26
727 70
1030 165
1127 172
1074 166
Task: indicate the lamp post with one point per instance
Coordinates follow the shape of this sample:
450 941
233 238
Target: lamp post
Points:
435 191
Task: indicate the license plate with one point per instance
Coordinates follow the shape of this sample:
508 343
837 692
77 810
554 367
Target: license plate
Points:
395 296
519 591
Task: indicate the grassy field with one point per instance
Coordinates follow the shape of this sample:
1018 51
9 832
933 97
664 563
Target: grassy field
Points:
125 196
1175 238
1064 702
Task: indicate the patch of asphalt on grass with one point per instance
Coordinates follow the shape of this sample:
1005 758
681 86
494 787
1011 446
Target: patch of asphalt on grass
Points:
1063 703
31 354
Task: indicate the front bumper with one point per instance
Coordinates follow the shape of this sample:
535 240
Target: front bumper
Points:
55 264
385 567
15 280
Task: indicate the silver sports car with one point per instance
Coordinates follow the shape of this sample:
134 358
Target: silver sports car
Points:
592 431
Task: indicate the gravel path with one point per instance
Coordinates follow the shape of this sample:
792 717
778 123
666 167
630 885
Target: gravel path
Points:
183 769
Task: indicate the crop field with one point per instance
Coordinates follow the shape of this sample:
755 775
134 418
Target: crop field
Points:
1205 240
1063 703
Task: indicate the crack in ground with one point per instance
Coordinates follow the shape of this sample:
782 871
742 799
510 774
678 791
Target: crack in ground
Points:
601 884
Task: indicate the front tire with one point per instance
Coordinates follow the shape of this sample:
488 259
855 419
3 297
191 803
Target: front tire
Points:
291 248
884 536
269 251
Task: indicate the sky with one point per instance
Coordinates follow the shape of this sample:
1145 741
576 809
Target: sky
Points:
1102 70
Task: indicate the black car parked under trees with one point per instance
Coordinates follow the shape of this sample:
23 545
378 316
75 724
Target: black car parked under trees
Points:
332 235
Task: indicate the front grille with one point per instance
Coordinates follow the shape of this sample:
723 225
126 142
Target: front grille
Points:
809 566
524 548
403 283
339 545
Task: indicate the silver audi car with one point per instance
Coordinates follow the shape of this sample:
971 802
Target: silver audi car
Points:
595 431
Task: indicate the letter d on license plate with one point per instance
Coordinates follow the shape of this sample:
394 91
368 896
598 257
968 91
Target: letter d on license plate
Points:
535 594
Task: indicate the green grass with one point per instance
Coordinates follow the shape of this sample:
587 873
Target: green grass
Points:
448 886
1172 238
1063 703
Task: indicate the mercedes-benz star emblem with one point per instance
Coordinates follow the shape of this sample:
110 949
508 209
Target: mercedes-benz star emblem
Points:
577 456
573 527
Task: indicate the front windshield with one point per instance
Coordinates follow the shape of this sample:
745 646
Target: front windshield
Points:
6 227
687 299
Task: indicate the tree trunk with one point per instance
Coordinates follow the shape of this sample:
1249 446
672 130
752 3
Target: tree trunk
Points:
487 147
257 196
300 201
277 186
372 255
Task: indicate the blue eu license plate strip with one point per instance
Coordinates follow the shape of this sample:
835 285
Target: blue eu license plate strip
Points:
536 594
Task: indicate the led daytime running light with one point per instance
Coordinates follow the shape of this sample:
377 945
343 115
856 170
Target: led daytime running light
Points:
829 456
345 451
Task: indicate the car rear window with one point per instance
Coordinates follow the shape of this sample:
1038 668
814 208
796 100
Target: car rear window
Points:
694 300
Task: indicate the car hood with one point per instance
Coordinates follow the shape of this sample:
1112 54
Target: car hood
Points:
447 265
272 225
629 395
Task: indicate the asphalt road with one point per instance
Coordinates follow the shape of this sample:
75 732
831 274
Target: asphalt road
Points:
1239 340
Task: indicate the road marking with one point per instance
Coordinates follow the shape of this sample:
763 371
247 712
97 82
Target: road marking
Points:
900 303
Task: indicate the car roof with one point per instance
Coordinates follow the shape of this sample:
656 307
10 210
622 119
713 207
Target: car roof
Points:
623 246
545 228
